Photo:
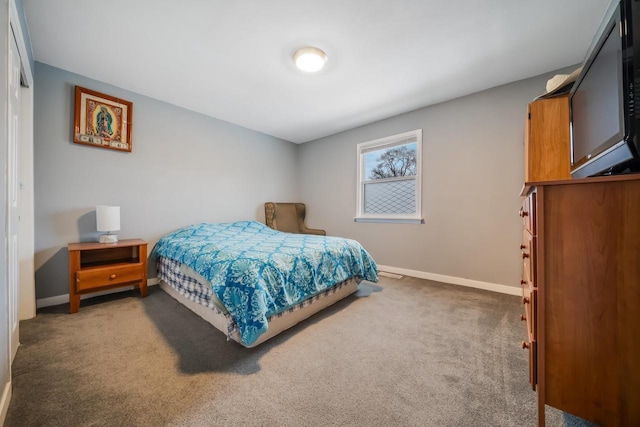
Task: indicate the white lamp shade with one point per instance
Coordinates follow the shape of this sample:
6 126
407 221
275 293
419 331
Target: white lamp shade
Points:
108 218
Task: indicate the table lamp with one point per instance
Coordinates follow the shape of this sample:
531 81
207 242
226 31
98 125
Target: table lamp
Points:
108 219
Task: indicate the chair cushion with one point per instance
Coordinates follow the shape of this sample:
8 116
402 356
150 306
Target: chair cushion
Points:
287 218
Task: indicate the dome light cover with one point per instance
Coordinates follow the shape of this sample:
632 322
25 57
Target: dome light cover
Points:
310 59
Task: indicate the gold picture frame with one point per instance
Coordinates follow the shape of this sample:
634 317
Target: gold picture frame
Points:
102 120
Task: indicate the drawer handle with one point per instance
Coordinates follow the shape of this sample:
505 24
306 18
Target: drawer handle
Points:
523 282
113 276
525 255
522 247
525 345
523 213
523 317
525 300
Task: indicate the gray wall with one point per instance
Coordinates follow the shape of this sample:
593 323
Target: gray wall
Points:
184 168
472 177
187 168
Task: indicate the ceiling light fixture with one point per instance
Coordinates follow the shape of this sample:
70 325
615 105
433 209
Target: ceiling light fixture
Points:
310 59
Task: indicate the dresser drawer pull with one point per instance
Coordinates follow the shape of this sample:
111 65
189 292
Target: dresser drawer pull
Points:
523 282
525 300
522 247
525 345
113 276
523 317
523 213
525 255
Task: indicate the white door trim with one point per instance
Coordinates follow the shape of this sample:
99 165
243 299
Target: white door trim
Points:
13 199
26 236
4 402
16 26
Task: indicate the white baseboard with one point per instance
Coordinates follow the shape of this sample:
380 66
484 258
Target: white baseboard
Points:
503 289
4 403
63 299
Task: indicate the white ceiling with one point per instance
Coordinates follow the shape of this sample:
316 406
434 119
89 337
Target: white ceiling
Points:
232 59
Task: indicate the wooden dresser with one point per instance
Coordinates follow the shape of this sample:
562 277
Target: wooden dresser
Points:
581 296
580 279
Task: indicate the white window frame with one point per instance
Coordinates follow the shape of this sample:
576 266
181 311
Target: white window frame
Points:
389 142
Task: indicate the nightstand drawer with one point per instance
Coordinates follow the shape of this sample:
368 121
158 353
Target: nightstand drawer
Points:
107 276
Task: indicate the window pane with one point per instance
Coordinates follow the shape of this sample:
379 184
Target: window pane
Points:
390 197
391 162
389 178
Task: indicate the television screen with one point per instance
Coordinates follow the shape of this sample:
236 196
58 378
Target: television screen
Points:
603 113
597 119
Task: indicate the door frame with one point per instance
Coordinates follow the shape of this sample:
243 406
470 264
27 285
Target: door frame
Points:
14 29
26 236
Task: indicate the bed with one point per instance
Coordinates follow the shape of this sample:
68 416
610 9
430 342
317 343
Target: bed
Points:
252 282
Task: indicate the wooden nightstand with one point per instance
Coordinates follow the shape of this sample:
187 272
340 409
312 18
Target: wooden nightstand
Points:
98 266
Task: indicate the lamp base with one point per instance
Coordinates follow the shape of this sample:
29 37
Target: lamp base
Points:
108 238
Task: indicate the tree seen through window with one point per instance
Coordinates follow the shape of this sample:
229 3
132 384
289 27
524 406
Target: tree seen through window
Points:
392 162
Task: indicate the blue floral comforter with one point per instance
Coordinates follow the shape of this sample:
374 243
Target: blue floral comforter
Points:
258 272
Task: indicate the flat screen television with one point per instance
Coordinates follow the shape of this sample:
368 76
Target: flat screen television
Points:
604 121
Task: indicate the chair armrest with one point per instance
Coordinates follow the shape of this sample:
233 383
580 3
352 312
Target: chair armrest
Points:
315 231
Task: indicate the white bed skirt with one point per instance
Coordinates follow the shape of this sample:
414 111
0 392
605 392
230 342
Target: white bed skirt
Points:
277 324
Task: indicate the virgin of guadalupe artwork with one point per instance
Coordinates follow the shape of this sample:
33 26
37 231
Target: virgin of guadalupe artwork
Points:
102 120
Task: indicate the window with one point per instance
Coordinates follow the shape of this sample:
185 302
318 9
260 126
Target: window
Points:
389 177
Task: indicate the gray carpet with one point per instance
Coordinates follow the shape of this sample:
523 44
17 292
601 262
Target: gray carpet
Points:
403 352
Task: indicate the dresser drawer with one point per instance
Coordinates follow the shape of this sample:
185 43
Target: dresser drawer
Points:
528 213
107 276
529 302
528 254
532 347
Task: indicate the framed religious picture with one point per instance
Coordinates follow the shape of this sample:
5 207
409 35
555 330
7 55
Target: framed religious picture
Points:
102 120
